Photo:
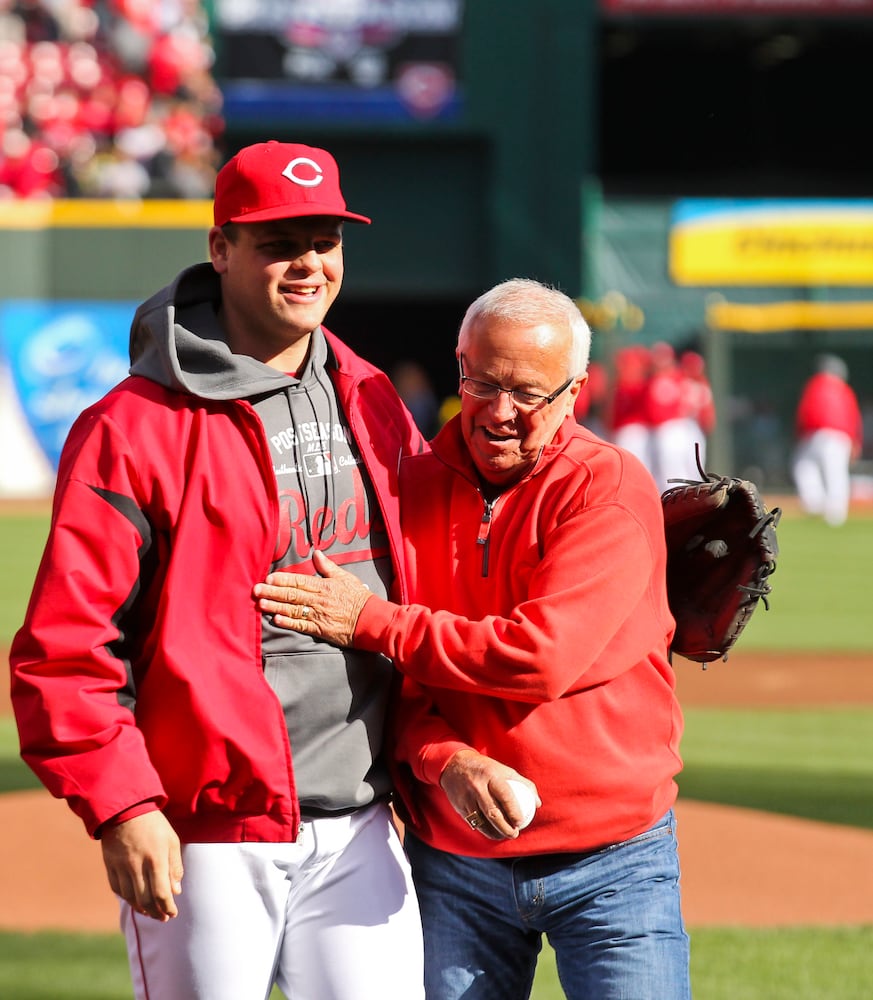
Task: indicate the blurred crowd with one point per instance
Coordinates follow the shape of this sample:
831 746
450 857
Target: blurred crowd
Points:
107 99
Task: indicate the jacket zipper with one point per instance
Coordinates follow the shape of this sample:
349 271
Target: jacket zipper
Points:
484 537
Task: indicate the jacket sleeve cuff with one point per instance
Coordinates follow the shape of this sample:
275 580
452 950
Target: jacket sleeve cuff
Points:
374 621
434 759
140 809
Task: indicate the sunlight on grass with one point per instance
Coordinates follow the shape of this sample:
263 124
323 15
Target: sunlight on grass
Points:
726 964
821 589
812 763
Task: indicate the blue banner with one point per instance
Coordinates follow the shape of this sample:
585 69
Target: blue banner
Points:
63 356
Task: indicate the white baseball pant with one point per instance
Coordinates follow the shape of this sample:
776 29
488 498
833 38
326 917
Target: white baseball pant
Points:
821 474
673 451
637 439
331 917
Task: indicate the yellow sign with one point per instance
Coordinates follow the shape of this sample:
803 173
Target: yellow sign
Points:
770 317
723 242
88 213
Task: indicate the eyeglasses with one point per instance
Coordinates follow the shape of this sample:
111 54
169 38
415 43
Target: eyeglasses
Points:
521 399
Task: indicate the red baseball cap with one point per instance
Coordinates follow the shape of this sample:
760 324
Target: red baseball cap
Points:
279 180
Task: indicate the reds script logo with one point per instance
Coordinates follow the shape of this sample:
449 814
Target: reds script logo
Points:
353 532
304 181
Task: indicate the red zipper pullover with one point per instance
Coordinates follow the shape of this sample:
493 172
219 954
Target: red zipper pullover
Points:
547 645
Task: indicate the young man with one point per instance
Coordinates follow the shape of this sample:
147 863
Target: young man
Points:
536 650
214 754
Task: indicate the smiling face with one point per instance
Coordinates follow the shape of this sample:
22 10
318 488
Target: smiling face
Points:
505 442
278 280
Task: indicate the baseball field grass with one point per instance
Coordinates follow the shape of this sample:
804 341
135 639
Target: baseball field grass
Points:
812 763
729 964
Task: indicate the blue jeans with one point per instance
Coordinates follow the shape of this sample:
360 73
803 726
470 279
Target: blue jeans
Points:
612 916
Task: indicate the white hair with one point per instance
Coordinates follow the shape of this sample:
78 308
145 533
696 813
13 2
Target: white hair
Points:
526 302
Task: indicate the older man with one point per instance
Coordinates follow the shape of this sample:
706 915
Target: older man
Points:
536 650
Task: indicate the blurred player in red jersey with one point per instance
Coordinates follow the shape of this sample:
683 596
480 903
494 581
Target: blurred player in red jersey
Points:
672 449
829 439
697 400
627 421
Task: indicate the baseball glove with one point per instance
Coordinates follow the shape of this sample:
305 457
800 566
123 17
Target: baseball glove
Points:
721 551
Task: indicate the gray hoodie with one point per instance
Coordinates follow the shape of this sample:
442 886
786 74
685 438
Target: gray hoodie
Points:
334 700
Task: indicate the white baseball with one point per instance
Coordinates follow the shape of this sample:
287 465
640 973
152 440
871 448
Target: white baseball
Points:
526 800
717 548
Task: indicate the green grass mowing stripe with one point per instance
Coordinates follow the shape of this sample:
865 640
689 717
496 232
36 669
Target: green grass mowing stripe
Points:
813 763
64 967
821 596
763 964
821 738
781 964
15 775
726 964
22 537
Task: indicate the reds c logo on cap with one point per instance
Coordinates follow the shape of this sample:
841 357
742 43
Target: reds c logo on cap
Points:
290 172
252 186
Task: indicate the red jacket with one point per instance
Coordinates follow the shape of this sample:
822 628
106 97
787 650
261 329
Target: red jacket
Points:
828 402
546 648
137 674
664 398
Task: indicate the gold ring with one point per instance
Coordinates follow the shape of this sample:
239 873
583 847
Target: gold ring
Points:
304 611
475 819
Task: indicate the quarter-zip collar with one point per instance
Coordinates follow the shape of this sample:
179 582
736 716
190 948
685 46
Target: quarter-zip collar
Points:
450 448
